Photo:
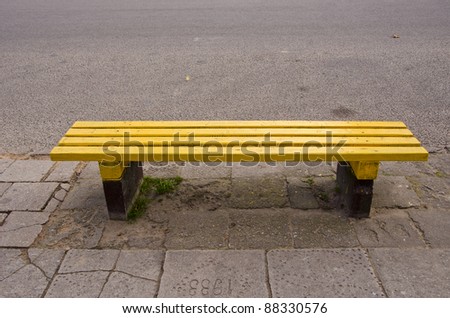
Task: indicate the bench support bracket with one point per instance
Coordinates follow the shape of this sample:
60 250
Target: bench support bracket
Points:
356 195
120 193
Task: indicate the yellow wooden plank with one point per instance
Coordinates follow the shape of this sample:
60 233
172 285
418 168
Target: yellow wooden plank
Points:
254 141
238 124
204 132
237 154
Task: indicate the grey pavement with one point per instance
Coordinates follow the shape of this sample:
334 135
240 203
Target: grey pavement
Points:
264 231
68 60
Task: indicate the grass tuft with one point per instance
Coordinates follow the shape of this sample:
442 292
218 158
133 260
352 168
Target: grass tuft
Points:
160 186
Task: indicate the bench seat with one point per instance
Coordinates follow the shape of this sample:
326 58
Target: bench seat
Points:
358 146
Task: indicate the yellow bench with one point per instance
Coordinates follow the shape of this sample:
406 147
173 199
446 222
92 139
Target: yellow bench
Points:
120 146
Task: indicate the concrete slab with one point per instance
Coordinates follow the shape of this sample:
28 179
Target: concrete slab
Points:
11 260
204 171
78 260
121 285
145 264
90 171
27 196
214 274
20 229
26 171
4 164
434 225
413 272
85 194
140 234
255 193
402 168
51 205
394 192
64 171
256 170
73 229
4 187
322 273
162 170
260 229
389 229
27 282
316 229
440 163
48 260
60 195
77 285
301 195
434 191
2 218
197 229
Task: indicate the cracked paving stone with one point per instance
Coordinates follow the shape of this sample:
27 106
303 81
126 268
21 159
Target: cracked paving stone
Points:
316 229
29 282
254 193
26 171
86 194
4 187
413 272
3 217
63 171
394 192
435 226
20 229
4 164
141 263
301 195
11 260
27 196
77 285
47 260
322 273
390 229
88 260
126 286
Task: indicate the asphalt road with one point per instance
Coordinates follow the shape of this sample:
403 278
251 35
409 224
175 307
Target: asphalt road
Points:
68 60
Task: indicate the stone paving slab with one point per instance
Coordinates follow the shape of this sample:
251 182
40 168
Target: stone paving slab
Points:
255 193
123 285
11 260
47 260
76 285
394 192
256 170
197 229
301 195
145 264
435 226
391 228
27 282
27 196
4 164
26 171
322 273
318 229
85 194
259 229
434 191
63 171
89 260
4 187
413 272
20 229
214 274
2 218
204 171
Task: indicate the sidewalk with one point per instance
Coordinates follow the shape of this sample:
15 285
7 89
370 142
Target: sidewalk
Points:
265 231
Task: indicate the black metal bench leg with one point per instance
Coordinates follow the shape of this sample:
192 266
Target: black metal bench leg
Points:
120 194
356 195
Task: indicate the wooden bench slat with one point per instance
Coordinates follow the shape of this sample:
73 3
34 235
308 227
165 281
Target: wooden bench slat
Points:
238 124
229 141
198 154
244 132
